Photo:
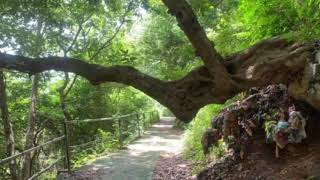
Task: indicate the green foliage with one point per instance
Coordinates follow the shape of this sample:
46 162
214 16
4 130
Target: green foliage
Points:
219 150
193 135
251 21
179 124
164 50
108 143
166 112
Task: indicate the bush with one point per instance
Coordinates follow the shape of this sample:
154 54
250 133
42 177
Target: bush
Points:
167 112
178 124
192 141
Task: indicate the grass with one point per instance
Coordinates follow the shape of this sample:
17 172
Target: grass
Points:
192 142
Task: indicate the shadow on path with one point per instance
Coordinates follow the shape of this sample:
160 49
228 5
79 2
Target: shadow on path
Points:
138 160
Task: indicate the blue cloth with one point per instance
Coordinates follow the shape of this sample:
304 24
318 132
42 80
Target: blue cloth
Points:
283 125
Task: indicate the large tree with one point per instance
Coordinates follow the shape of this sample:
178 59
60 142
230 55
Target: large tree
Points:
276 60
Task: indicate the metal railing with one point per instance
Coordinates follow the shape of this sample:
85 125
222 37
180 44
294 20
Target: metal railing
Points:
141 123
55 140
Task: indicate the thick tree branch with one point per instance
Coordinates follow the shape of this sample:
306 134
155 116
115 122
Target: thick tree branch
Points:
188 22
269 62
175 95
96 74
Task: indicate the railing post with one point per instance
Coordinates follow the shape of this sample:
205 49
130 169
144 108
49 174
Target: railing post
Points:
149 118
66 147
152 116
120 133
144 121
138 124
158 116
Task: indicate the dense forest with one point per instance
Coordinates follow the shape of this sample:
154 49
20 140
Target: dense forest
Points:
73 60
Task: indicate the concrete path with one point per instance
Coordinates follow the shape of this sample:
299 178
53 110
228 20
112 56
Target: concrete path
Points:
138 160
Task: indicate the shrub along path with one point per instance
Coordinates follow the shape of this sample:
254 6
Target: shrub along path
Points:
138 161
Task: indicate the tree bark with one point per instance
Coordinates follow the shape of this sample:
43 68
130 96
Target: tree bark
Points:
27 163
7 125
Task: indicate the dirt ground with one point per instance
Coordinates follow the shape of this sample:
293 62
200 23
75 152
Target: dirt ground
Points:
296 162
172 167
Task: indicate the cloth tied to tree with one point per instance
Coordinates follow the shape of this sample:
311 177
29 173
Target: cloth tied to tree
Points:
282 134
270 131
297 124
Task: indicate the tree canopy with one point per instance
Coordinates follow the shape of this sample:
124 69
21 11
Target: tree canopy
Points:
74 34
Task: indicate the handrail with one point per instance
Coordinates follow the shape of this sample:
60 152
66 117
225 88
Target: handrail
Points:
84 144
89 120
2 161
101 119
105 119
45 169
119 119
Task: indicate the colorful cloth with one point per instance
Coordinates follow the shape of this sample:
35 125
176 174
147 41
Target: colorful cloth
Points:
297 125
270 131
282 134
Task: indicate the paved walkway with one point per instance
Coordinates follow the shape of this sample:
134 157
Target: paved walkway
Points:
138 160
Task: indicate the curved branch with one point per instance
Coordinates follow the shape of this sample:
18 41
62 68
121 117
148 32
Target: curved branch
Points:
94 73
183 97
269 62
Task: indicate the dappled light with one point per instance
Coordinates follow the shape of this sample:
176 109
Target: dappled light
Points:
137 161
159 89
